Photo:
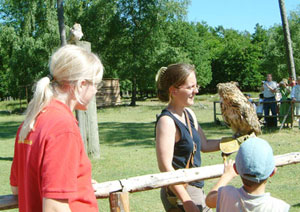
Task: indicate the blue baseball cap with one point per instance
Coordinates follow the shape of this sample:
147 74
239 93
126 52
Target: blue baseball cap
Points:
255 160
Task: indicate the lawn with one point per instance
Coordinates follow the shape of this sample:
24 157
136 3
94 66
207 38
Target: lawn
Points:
128 149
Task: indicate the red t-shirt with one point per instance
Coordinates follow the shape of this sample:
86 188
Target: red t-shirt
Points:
52 163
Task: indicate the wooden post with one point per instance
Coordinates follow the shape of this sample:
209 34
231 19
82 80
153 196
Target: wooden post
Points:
288 41
119 202
88 122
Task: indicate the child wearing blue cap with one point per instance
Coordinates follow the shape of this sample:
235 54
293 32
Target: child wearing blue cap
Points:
255 164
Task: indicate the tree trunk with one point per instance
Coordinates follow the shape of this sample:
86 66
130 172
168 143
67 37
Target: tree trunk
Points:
61 22
288 41
133 96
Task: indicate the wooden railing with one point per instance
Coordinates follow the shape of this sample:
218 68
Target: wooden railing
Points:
118 190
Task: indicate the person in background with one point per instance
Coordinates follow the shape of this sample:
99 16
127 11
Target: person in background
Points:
248 96
292 82
50 169
254 163
295 95
179 138
285 109
269 90
260 106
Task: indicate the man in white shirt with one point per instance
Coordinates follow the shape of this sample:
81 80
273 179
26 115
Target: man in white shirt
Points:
269 91
296 97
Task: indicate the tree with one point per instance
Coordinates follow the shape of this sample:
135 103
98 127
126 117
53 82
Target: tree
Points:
238 60
288 41
7 37
61 22
33 29
189 47
136 39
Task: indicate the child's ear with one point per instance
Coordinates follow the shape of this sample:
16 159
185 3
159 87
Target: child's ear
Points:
234 167
274 171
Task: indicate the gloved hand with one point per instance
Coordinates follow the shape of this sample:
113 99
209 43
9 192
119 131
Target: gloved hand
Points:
229 145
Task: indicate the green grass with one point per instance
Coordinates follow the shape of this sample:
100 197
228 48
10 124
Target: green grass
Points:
128 149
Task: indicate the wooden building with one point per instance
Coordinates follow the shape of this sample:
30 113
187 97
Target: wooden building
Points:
109 93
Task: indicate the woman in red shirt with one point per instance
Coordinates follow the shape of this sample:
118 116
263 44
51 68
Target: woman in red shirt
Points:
50 169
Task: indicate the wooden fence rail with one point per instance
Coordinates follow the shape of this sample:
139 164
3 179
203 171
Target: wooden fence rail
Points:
112 189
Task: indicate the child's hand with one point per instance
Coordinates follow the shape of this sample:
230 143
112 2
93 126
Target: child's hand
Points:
229 170
228 175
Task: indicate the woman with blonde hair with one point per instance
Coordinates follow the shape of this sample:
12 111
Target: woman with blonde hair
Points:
179 138
50 169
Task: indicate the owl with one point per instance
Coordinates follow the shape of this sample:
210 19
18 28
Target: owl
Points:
75 33
237 111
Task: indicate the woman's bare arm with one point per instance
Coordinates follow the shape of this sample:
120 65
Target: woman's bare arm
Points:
14 190
55 205
210 145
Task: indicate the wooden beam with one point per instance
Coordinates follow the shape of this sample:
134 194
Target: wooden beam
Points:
8 202
153 181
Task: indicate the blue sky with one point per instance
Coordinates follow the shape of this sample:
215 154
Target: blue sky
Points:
238 14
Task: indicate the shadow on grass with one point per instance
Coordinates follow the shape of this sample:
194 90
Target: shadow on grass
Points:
6 158
5 112
127 134
270 130
213 130
296 205
18 111
151 107
131 134
8 129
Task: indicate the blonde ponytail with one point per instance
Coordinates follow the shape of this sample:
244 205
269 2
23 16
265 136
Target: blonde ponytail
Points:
42 96
68 65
